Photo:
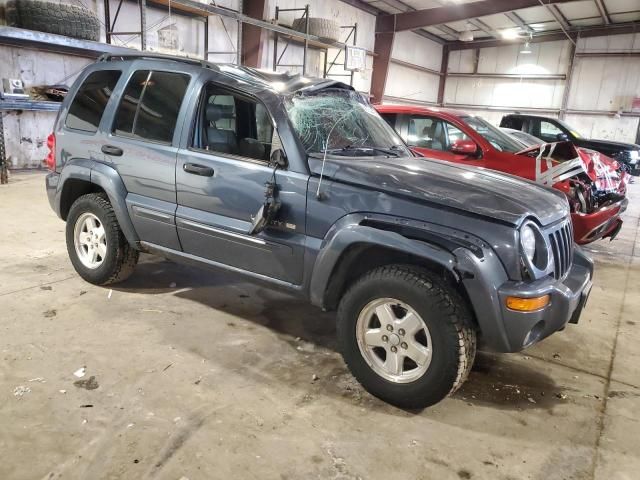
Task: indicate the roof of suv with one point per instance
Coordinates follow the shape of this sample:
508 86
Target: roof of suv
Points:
278 82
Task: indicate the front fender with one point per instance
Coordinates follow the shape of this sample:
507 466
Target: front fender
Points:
348 232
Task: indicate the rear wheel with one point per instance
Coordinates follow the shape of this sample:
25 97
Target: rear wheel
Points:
97 247
406 336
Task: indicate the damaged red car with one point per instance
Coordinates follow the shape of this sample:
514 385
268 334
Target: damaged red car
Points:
596 190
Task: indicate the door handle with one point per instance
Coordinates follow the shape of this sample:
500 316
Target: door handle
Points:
111 150
198 169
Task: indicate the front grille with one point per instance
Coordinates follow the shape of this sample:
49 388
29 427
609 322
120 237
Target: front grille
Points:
561 241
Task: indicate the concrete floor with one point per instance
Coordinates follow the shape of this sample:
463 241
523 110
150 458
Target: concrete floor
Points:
202 376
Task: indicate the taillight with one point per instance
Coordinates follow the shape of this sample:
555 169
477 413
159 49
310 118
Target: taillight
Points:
51 157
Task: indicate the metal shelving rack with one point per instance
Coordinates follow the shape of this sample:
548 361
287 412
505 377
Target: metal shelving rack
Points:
304 39
191 9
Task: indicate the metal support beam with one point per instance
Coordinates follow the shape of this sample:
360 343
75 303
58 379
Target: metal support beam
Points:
452 13
603 11
584 32
480 25
252 34
382 48
567 83
444 66
518 21
559 16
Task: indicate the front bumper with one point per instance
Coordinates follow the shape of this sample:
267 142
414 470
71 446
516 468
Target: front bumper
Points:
505 330
589 227
568 298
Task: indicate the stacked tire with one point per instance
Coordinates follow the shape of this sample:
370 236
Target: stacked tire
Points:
68 20
323 28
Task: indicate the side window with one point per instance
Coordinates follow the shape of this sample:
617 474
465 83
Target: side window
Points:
427 132
549 132
234 124
454 134
150 105
87 107
512 122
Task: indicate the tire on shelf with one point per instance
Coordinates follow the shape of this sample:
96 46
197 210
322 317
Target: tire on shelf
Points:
61 19
323 28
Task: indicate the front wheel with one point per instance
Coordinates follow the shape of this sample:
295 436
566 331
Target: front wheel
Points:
97 247
406 336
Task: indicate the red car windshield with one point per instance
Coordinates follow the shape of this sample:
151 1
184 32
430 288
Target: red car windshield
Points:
498 139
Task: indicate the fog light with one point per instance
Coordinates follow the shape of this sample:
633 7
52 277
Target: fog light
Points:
527 304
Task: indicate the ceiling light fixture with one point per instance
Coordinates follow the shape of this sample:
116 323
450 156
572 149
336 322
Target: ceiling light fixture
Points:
510 34
466 35
526 48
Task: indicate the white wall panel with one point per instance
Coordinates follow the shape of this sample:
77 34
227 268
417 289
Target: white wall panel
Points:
412 48
610 44
504 92
412 84
604 83
461 61
606 127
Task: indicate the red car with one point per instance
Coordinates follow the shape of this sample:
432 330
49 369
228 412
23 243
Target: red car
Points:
596 192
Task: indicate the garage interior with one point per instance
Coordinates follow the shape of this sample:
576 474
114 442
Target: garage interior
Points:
199 374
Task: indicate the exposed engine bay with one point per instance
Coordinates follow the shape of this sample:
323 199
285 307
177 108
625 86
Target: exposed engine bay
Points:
589 181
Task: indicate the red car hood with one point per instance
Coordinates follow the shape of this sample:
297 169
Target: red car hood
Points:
559 161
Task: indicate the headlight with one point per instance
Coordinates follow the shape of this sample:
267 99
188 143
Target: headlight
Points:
536 256
528 241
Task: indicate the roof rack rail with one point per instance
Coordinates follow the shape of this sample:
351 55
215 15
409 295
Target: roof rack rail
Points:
151 56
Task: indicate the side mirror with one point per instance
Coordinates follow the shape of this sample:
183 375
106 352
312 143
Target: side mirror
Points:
562 137
278 158
464 147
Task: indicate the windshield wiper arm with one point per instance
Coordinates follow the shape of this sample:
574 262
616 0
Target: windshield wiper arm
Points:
350 148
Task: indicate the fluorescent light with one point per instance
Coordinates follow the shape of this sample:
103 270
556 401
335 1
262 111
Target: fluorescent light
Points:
510 34
466 36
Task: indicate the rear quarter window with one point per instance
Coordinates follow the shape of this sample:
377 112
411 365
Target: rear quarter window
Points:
87 106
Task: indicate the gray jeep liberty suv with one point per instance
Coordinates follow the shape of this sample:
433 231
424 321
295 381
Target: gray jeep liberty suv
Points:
299 184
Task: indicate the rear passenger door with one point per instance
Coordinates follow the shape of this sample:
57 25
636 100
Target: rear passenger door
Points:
220 179
141 146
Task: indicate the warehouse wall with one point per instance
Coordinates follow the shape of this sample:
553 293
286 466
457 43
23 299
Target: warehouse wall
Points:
550 58
407 83
606 83
25 133
600 86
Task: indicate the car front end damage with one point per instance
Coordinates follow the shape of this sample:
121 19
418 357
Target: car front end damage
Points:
556 281
594 184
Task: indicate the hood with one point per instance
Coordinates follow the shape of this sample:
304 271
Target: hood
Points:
469 189
555 162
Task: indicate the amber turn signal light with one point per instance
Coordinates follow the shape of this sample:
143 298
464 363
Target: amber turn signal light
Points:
527 304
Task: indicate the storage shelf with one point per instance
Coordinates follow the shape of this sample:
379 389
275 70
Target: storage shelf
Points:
49 42
29 105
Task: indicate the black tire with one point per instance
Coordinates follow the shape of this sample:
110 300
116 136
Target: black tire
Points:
61 19
121 257
323 28
447 317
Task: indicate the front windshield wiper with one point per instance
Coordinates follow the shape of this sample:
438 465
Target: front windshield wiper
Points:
392 152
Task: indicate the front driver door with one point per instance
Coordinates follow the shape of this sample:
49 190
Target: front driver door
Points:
220 183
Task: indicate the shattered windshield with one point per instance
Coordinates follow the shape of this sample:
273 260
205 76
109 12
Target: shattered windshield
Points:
500 140
342 123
